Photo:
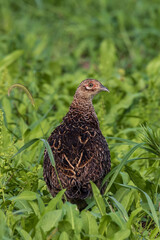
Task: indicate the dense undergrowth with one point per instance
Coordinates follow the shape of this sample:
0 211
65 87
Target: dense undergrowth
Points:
50 47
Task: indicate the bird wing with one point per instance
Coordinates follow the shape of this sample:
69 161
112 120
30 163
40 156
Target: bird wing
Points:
73 148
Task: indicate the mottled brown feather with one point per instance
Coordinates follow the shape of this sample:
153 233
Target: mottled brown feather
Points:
80 151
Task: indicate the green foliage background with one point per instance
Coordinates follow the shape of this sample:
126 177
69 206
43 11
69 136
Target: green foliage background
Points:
50 47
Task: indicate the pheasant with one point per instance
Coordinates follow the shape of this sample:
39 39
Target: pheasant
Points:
80 150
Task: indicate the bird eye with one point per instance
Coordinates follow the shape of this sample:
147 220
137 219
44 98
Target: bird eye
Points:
90 84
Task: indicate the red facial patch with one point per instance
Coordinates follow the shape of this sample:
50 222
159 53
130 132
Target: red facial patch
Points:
91 85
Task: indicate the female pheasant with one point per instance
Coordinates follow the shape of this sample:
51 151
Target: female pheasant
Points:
80 150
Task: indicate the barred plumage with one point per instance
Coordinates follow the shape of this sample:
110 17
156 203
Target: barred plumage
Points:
80 150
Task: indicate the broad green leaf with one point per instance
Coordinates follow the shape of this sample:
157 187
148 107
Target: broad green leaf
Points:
121 193
72 216
89 224
65 226
71 213
26 195
49 220
23 206
25 235
52 204
128 199
123 234
104 221
39 234
98 199
35 208
133 215
154 233
40 204
64 236
116 217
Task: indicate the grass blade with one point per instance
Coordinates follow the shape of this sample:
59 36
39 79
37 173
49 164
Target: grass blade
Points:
47 146
49 150
25 89
150 203
120 207
25 146
118 169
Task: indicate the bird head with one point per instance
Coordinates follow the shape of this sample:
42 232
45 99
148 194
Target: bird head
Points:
89 88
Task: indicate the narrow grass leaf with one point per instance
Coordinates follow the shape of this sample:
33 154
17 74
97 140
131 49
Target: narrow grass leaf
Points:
51 157
47 146
150 203
25 89
109 175
25 146
120 207
120 166
35 124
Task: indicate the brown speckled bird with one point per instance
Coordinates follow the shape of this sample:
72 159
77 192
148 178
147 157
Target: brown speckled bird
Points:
80 150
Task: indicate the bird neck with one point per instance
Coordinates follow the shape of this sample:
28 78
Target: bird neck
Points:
82 110
82 104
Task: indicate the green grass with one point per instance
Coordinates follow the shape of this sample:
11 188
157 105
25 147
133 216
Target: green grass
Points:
50 47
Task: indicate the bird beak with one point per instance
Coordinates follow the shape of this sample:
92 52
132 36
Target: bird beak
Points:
104 88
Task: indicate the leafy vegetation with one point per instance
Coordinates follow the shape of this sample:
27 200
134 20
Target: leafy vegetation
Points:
50 47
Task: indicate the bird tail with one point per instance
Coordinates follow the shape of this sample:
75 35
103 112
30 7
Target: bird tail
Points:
78 191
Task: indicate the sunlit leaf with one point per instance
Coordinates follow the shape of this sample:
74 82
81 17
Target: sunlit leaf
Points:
26 195
98 199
